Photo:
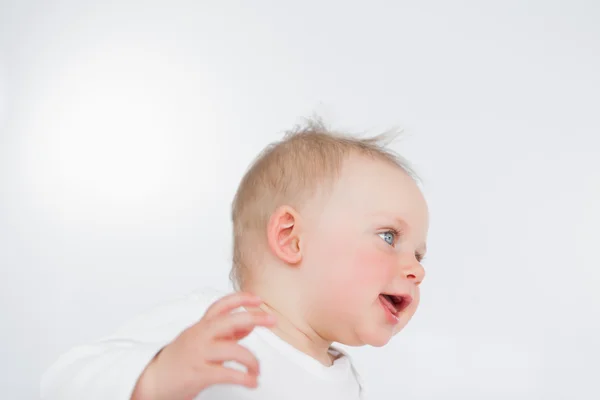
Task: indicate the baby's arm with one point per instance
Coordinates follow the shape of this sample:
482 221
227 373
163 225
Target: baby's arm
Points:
189 347
109 368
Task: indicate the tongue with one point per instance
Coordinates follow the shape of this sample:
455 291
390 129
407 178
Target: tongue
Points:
388 304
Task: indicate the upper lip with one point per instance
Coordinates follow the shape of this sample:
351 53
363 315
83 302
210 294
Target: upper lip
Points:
401 300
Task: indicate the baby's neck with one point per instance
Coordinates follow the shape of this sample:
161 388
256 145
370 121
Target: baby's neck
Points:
293 328
302 338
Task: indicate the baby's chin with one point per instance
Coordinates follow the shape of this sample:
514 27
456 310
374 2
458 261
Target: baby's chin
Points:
376 336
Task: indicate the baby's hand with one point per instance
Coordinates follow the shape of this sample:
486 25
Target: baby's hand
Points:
194 360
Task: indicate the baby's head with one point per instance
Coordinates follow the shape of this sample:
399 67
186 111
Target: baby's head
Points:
324 226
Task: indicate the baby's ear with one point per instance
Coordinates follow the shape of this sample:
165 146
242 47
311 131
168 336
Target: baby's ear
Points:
283 234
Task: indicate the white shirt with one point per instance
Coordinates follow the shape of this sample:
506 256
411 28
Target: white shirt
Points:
110 368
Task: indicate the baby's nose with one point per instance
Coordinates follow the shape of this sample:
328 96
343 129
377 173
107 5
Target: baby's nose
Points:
413 271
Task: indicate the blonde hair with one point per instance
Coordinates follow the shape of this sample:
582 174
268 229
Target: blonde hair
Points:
289 172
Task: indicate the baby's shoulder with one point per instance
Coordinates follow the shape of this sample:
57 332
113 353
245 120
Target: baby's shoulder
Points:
169 318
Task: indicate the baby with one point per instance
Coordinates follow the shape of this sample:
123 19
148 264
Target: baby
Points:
329 234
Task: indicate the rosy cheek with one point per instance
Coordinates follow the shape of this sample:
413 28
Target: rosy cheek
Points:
373 265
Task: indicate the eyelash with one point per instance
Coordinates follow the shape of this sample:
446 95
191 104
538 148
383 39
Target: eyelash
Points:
396 234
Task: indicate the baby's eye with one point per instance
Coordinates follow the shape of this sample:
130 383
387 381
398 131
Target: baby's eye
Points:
389 237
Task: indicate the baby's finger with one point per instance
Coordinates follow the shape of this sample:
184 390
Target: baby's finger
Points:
230 351
233 325
219 374
231 302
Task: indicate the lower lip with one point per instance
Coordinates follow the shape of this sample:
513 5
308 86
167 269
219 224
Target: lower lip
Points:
391 318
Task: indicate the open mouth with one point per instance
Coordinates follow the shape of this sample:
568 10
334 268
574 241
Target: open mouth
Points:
395 303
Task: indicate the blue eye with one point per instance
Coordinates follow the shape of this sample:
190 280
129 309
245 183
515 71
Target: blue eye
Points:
389 237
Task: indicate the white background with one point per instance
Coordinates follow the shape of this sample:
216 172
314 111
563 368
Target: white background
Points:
126 126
